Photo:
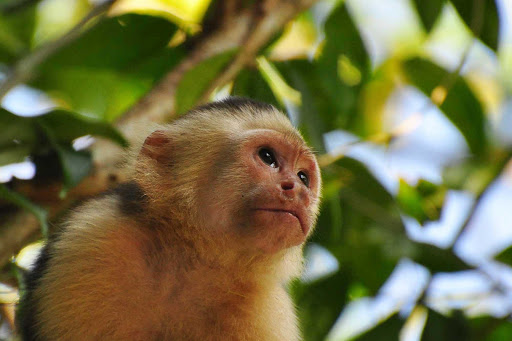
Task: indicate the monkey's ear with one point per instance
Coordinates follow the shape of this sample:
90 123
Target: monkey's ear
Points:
157 146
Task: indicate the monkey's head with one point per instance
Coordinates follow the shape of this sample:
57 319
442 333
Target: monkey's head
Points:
236 170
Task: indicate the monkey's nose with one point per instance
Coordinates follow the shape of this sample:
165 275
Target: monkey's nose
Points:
287 185
288 190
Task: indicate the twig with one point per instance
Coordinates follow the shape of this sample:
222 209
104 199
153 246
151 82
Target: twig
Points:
24 69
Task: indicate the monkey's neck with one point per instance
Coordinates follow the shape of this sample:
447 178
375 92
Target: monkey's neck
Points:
188 251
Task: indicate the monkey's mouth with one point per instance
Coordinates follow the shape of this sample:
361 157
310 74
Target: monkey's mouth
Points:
293 213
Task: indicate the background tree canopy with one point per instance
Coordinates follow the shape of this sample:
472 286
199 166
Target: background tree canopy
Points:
408 104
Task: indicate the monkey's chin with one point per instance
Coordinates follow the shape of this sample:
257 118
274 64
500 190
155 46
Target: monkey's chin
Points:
277 230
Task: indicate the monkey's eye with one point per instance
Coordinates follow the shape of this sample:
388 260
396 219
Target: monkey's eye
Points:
304 178
267 156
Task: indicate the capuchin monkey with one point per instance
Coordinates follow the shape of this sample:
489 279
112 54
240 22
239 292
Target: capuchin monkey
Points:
198 245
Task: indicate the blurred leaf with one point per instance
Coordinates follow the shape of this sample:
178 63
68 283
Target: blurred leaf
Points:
387 330
16 130
343 39
26 204
250 83
482 18
197 80
365 193
116 43
423 201
67 126
429 11
319 304
360 225
437 259
446 328
460 105
75 166
16 31
14 154
475 174
60 128
331 85
505 256
110 67
51 134
500 331
106 93
103 94
282 91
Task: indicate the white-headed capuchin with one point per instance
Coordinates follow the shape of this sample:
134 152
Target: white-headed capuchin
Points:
197 246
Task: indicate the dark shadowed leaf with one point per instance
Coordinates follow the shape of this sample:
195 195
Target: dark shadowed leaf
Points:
387 330
460 105
75 166
67 126
250 83
505 256
196 81
502 332
429 11
331 85
437 259
26 204
116 43
343 39
446 328
16 31
320 303
16 130
482 18
108 69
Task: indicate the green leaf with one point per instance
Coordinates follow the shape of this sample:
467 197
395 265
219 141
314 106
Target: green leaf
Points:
16 31
16 130
422 202
116 43
360 225
475 174
387 330
197 80
482 18
14 154
331 86
446 328
320 303
343 39
501 332
436 259
26 204
100 93
505 256
460 105
250 83
67 126
429 11
75 166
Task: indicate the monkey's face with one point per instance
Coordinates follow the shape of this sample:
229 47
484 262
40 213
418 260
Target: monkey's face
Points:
274 184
